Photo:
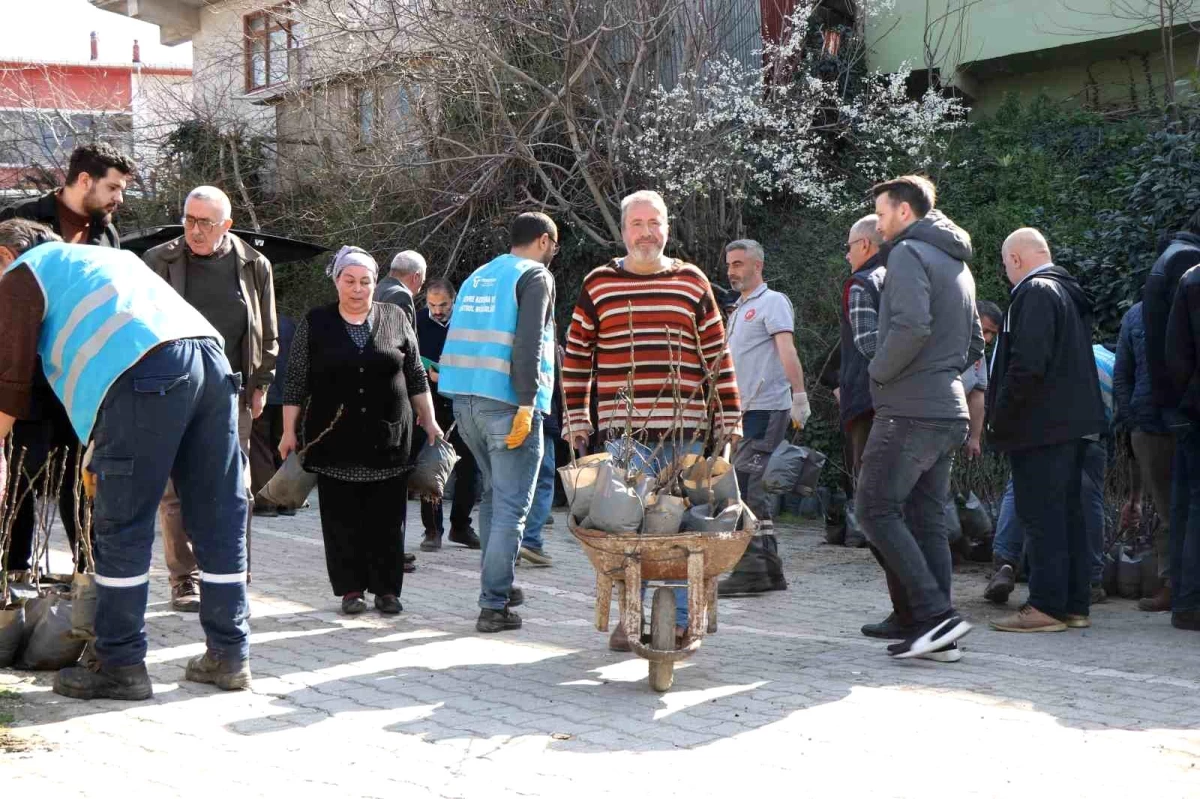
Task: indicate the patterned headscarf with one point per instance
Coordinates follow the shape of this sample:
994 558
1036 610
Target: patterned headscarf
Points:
350 256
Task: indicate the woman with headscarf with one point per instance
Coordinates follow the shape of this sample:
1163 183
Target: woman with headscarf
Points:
354 379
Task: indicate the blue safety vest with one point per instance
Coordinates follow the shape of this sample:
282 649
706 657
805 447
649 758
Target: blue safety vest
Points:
477 359
104 310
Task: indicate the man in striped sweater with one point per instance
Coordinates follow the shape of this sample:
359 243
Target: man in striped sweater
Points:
651 321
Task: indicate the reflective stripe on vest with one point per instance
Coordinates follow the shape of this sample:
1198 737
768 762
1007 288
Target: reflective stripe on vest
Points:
104 310
477 359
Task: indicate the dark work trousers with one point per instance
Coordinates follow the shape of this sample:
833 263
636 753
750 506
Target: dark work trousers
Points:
173 413
857 434
265 433
1046 485
763 430
363 528
37 439
1185 519
466 478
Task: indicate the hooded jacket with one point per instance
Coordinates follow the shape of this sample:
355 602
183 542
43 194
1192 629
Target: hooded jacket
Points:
929 330
1180 255
1183 345
1044 386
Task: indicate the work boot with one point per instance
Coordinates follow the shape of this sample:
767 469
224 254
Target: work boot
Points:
618 641
497 621
466 538
1158 603
432 541
185 597
889 629
1186 619
131 683
223 674
388 604
744 584
536 557
1003 583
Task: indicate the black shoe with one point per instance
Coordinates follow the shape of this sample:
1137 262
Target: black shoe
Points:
432 542
1186 619
130 683
516 597
466 537
777 584
388 604
287 511
353 604
745 583
497 621
890 629
1003 583
930 636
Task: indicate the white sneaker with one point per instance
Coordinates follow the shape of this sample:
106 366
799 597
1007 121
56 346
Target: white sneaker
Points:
947 654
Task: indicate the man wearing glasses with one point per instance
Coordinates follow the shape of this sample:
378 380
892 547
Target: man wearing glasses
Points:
229 283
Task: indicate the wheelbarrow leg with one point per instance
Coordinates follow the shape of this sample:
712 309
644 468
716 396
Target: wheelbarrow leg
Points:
710 590
631 612
697 595
604 589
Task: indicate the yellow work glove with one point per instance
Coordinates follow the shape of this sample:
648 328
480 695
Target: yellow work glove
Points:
85 472
522 423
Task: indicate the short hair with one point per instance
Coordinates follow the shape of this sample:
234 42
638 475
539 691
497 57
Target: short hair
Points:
747 245
22 235
408 262
211 194
646 197
441 284
96 159
867 228
990 310
917 191
529 227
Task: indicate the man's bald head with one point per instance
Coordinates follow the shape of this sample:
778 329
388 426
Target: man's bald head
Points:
1023 251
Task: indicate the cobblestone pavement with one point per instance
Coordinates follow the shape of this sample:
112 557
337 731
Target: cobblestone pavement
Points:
787 697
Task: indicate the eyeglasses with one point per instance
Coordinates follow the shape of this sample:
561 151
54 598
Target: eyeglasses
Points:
205 225
850 244
553 246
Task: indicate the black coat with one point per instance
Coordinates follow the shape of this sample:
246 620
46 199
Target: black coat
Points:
1183 345
1044 387
1181 254
371 388
45 210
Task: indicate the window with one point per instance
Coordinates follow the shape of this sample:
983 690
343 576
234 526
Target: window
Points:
367 100
270 36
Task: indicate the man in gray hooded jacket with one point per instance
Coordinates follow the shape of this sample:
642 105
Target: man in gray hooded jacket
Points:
929 332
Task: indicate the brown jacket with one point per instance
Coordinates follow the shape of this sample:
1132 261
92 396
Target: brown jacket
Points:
254 277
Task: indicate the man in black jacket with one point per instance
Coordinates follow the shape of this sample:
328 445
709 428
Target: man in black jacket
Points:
403 282
81 213
1183 361
1043 404
1181 254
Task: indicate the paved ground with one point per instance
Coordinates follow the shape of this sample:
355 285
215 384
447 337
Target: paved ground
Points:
787 698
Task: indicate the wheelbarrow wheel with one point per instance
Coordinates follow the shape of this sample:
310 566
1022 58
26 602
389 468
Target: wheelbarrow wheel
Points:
662 636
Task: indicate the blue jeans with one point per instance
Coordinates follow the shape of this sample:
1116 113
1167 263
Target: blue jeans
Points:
173 414
509 480
1048 486
543 496
1009 543
903 488
1185 520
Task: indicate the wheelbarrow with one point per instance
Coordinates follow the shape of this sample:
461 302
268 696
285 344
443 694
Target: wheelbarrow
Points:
624 560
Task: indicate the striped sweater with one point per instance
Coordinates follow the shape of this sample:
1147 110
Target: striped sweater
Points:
602 344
